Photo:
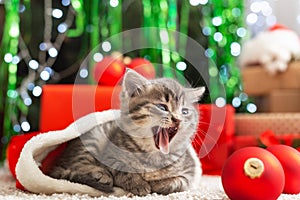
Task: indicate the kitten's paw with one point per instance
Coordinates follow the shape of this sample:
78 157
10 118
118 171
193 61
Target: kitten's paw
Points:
133 183
104 178
167 186
98 179
141 189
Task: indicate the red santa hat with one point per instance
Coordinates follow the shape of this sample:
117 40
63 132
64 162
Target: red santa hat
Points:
272 49
278 27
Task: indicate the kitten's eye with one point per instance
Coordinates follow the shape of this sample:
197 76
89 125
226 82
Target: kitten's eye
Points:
185 111
162 107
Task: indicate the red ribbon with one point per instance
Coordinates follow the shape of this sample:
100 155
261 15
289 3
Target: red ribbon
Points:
270 138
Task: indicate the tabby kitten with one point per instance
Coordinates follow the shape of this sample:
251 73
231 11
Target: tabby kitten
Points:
147 149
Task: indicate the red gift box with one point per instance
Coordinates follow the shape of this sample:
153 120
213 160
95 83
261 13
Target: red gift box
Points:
255 124
63 104
263 129
244 141
213 141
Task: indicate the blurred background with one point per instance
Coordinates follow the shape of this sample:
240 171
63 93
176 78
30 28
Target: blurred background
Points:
49 42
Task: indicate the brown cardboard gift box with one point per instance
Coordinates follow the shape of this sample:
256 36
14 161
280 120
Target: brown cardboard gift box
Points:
283 100
273 93
257 81
255 124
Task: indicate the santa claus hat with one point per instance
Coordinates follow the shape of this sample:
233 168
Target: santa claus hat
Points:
279 27
28 172
272 49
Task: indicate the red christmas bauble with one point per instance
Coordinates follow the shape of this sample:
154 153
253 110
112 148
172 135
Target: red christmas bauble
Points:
143 67
252 173
109 71
290 161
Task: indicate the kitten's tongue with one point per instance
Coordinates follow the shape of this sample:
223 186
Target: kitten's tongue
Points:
163 142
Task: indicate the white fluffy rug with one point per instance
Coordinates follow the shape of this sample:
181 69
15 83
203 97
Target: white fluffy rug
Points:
209 189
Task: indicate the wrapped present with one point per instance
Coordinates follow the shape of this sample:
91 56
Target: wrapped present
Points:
264 129
62 104
273 102
241 141
255 124
213 141
257 76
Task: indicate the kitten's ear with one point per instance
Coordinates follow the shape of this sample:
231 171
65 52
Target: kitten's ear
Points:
194 94
133 81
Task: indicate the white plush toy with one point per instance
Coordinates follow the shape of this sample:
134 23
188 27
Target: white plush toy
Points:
272 49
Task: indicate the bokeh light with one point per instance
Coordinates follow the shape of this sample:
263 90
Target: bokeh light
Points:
198 2
25 126
106 46
66 2
43 46
17 128
33 64
53 52
37 91
236 102
235 49
181 66
62 27
114 3
83 73
259 16
8 57
217 21
252 18
27 101
98 57
45 75
57 13
251 107
220 102
15 60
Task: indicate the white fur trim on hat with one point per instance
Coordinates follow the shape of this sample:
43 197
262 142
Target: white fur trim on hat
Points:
273 50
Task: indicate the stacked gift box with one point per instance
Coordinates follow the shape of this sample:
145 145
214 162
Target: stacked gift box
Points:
263 129
273 92
277 98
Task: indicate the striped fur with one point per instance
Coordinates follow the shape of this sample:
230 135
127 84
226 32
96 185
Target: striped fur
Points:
123 152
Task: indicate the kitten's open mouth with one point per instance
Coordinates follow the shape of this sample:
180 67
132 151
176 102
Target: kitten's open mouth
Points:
163 136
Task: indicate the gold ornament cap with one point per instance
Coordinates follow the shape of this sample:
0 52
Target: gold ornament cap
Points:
254 167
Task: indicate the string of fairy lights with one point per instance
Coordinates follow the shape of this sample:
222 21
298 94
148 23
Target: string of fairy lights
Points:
19 97
225 24
226 29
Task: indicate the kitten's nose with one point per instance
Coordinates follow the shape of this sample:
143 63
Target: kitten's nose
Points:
175 120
